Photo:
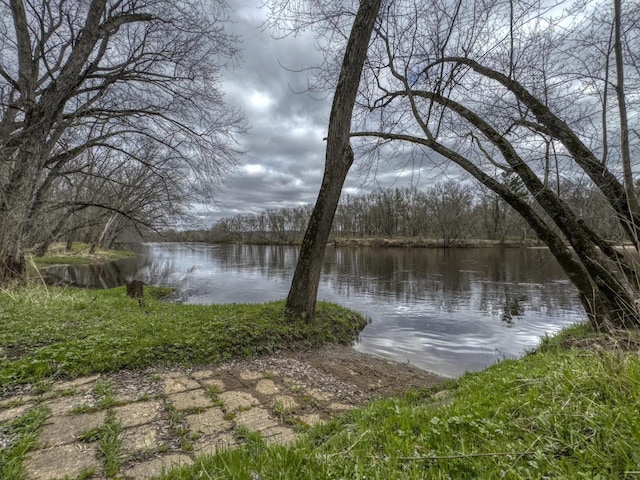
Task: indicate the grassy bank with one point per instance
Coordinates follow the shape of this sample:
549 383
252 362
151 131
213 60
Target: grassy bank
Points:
52 332
57 254
568 410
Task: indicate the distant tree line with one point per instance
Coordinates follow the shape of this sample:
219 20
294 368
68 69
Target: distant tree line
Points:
448 212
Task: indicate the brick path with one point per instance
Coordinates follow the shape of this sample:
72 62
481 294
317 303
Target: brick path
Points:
169 418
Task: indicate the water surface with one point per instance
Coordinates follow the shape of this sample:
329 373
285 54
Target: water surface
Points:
444 310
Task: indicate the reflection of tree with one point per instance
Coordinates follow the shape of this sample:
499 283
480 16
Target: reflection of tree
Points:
269 260
103 275
513 308
506 282
142 267
488 279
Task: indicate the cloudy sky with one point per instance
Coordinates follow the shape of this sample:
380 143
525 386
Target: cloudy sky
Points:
283 157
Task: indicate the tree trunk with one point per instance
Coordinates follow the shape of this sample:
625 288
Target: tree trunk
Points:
16 205
41 249
625 152
301 300
98 241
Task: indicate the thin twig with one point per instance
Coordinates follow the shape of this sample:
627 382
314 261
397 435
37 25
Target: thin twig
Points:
461 455
343 452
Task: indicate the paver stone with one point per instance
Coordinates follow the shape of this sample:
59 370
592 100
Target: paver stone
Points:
209 422
66 429
138 413
63 461
178 384
266 387
256 420
157 466
236 399
13 413
190 399
140 439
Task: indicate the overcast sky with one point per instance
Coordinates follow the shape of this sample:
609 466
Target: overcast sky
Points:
283 151
283 157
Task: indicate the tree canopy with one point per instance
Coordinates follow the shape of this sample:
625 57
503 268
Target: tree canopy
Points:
121 91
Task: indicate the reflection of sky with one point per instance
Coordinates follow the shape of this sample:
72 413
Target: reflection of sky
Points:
434 312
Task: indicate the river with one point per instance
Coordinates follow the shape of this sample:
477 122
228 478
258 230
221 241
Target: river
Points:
443 310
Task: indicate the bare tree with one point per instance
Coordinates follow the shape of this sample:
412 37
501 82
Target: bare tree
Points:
301 300
450 204
496 88
76 76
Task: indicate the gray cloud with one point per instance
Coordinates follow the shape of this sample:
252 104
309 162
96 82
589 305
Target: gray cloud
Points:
283 157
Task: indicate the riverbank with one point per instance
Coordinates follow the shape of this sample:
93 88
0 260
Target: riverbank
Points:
392 242
275 400
53 332
134 424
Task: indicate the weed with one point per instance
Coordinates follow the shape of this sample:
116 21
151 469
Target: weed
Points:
279 409
212 392
91 435
109 445
86 474
252 441
282 411
17 439
78 409
192 410
177 423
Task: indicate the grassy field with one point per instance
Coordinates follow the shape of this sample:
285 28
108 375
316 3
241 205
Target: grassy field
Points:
50 333
568 410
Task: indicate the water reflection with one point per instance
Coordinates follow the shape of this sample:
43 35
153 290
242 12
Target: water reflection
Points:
447 311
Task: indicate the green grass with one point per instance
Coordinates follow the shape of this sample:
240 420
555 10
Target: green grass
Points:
17 438
556 413
109 445
78 255
54 332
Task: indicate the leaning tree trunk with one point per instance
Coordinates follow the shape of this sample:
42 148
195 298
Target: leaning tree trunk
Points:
16 205
98 241
339 158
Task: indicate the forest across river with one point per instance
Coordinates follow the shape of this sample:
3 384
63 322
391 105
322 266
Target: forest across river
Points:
443 310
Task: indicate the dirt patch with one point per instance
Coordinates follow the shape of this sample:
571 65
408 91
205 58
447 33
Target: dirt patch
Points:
336 371
376 376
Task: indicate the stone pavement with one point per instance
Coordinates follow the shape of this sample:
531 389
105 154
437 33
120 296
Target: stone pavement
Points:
166 418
